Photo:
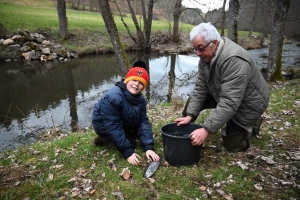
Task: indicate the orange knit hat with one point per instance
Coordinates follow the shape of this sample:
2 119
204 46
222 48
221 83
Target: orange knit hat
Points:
138 74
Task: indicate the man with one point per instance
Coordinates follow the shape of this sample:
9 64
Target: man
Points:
229 81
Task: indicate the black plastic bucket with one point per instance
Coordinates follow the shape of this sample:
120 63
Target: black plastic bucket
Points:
178 150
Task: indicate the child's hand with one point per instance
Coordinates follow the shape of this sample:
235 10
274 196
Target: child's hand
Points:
151 155
134 159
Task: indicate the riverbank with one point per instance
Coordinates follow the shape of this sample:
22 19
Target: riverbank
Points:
45 45
65 166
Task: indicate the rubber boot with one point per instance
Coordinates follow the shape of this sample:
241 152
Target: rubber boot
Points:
235 142
256 127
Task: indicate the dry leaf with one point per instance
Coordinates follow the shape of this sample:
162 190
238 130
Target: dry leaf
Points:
72 179
202 188
92 192
152 180
125 173
17 183
75 192
258 186
228 197
50 177
56 167
114 168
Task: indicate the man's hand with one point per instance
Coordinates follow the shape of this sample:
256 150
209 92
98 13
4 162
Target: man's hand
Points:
198 136
183 120
134 159
151 155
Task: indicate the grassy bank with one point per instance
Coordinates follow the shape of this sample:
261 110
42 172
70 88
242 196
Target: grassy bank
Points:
70 165
87 32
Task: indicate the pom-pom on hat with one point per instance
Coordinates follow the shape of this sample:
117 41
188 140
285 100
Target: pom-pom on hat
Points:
138 74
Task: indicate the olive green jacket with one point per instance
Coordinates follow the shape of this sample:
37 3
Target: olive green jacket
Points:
237 85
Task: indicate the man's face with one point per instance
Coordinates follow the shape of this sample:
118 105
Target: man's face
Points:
206 53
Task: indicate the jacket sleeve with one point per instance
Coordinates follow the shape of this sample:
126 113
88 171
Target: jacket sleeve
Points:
144 131
234 77
198 96
111 112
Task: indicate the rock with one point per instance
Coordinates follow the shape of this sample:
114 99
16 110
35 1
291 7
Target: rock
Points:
46 51
265 44
15 37
25 48
23 39
32 45
54 55
8 42
46 43
43 58
73 55
1 41
26 55
13 47
35 55
23 32
61 53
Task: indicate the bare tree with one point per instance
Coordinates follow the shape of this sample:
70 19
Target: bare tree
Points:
232 23
253 18
223 18
114 35
273 71
176 16
62 17
178 10
142 39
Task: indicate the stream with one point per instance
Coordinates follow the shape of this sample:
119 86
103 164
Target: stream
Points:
37 97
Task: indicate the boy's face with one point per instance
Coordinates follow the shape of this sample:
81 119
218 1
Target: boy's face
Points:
134 87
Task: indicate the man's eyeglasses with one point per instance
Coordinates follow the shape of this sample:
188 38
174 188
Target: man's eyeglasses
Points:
201 49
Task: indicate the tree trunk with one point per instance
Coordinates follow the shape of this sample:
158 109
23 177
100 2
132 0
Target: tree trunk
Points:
253 19
176 16
232 22
148 25
140 36
63 20
273 71
223 18
114 35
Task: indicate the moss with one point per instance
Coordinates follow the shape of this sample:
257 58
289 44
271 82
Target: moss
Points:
277 75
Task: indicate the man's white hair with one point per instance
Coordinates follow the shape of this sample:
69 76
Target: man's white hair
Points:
208 31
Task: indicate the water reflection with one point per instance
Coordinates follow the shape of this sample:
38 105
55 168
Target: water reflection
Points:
39 96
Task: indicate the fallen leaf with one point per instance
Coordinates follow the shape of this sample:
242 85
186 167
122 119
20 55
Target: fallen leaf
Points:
92 192
75 192
125 173
228 196
56 167
72 179
202 188
258 186
152 180
17 183
119 195
50 177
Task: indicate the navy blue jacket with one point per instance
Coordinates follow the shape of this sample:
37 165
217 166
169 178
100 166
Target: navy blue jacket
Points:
117 111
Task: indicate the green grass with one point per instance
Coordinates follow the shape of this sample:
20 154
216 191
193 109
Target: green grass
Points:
74 155
14 16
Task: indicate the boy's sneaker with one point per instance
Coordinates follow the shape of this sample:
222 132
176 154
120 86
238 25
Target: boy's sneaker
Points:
99 141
